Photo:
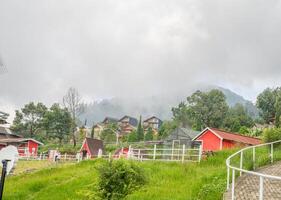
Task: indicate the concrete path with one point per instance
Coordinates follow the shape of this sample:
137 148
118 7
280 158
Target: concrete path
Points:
247 186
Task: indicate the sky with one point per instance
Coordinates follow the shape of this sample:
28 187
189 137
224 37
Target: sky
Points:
136 48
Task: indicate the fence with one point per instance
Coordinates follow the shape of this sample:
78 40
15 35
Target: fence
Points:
161 154
63 157
141 154
266 152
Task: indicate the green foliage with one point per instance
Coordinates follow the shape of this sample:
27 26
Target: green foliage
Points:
236 118
244 130
271 134
119 178
181 114
166 128
57 122
109 132
202 109
93 131
269 103
149 135
140 131
28 120
133 137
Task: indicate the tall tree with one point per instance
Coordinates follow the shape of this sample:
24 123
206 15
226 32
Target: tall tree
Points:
149 134
180 114
93 131
28 120
203 109
140 132
269 104
57 122
266 104
73 102
237 117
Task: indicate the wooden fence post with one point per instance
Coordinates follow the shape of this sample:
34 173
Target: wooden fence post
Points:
154 152
183 153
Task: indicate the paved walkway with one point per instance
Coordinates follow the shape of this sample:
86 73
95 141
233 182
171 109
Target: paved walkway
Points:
247 186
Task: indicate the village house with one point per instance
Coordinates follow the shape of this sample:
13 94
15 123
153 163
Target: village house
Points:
90 148
213 139
127 124
152 122
99 127
26 146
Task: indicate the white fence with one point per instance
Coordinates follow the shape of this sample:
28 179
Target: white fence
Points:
240 169
166 154
141 154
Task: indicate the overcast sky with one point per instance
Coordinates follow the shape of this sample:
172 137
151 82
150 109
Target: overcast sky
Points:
113 48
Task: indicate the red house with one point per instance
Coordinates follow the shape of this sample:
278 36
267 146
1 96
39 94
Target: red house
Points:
90 147
213 139
26 146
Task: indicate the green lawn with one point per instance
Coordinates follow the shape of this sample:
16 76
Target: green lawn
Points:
175 181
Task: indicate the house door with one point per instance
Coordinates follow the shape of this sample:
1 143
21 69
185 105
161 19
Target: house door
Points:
84 154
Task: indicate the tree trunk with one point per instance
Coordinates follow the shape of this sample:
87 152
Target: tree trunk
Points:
74 139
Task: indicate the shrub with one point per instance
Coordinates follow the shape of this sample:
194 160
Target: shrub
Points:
119 178
271 134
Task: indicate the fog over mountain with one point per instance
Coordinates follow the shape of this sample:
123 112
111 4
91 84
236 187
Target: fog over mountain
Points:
148 106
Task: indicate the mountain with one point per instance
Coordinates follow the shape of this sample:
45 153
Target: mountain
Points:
148 106
232 99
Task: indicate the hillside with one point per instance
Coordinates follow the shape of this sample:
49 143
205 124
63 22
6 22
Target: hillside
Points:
147 106
166 181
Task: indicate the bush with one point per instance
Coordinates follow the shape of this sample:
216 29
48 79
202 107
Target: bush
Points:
271 134
119 178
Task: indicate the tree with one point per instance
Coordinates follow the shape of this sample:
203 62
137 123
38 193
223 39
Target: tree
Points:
266 104
28 120
236 118
109 133
57 122
180 114
3 117
149 134
166 128
140 132
271 134
203 109
93 131
72 101
133 137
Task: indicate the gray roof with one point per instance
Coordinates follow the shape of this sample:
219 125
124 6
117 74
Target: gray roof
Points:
182 133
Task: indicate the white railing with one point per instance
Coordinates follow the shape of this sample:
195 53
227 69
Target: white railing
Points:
241 170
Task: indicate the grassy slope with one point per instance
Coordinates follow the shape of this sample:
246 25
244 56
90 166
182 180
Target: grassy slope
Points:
167 181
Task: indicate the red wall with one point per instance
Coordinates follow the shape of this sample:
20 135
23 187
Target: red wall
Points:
32 145
210 141
228 144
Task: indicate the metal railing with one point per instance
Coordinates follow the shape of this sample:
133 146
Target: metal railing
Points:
246 171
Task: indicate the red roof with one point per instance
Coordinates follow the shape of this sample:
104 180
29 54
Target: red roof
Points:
233 136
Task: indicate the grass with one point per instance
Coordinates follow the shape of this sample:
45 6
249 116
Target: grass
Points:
166 181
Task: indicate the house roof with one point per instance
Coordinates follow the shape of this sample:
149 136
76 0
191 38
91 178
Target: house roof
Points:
7 132
19 140
133 121
152 118
94 145
232 136
110 119
181 133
